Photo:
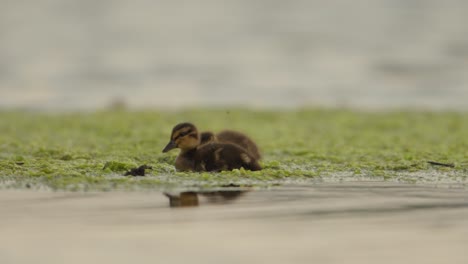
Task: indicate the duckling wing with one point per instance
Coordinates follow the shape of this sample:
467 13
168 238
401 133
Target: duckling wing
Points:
208 158
241 140
207 137
224 156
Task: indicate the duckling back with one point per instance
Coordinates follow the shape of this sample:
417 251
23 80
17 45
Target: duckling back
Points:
241 140
215 156
207 137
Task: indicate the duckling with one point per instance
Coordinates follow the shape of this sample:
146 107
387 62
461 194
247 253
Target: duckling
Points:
211 156
235 137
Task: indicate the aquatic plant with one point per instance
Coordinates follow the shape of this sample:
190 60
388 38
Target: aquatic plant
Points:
81 151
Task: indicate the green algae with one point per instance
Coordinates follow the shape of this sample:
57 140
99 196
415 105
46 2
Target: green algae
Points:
81 151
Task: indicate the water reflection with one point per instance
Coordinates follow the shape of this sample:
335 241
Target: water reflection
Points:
197 198
380 221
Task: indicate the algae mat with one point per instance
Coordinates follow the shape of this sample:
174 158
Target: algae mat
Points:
92 151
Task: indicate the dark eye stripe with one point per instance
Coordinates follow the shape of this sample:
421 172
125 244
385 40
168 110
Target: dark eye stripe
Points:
183 134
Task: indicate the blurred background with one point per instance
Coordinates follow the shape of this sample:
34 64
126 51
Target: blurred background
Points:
92 54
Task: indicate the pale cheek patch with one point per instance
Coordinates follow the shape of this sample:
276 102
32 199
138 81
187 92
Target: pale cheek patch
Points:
182 142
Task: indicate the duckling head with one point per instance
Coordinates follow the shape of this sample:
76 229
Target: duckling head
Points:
184 136
206 137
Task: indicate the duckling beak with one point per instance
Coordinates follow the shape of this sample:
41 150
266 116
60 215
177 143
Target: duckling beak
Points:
169 146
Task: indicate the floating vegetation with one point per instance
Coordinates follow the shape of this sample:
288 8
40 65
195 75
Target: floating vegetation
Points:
93 151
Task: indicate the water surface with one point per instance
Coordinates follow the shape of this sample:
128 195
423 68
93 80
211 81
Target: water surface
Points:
366 222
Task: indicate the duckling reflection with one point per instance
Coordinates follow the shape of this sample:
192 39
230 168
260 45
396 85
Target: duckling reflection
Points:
192 199
184 199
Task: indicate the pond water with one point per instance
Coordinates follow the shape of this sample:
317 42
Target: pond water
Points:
365 222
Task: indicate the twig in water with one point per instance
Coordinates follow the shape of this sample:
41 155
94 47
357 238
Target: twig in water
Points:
451 165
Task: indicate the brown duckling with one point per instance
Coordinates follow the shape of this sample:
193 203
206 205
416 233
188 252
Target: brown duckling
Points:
211 156
234 137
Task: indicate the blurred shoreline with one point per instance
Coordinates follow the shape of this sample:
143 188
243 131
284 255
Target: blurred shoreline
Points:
369 54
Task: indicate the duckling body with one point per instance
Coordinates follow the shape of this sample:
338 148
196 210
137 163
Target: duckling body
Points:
234 137
202 152
185 160
223 156
240 139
